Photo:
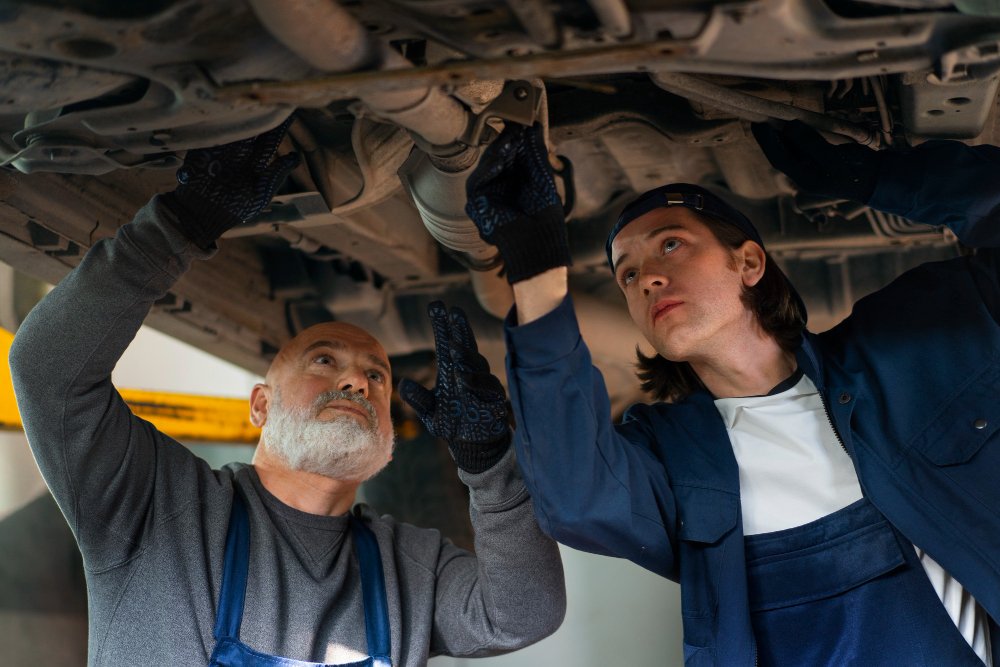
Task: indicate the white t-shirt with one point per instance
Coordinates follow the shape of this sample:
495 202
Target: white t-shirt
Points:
793 470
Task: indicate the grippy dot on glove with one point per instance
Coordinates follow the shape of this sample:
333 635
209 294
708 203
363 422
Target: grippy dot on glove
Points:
223 186
512 199
468 405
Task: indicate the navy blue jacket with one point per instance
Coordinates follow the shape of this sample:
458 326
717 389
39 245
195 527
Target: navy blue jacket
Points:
911 381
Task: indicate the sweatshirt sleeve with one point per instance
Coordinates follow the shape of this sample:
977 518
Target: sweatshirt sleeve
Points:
511 593
597 487
112 474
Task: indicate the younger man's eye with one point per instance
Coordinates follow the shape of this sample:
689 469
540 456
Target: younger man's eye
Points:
671 245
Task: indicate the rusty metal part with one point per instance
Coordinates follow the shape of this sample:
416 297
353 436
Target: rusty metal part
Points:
885 119
478 95
931 109
834 48
429 112
537 21
321 32
520 101
614 17
757 109
323 90
325 35
666 55
27 84
440 199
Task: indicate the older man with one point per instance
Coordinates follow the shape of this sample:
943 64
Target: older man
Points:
264 564
823 499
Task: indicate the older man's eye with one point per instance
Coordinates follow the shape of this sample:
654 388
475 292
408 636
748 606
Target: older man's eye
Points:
323 359
377 376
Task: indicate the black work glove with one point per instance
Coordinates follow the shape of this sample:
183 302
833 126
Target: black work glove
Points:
224 186
512 199
845 171
468 407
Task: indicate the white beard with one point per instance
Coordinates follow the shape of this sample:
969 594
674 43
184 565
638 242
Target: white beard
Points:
341 449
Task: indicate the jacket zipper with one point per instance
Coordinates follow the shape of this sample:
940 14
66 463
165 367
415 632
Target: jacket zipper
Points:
829 419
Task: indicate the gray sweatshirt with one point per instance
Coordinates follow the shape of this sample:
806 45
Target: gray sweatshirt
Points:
151 518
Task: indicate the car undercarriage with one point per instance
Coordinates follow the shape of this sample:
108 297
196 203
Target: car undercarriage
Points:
394 101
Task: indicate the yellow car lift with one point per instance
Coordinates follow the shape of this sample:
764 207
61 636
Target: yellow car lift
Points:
184 417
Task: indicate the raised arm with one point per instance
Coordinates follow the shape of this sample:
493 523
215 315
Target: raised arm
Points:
510 593
99 461
937 183
513 200
945 183
595 487
112 473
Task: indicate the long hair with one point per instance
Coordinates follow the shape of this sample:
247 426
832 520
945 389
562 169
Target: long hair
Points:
773 301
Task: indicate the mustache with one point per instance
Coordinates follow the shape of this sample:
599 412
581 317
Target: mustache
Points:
354 397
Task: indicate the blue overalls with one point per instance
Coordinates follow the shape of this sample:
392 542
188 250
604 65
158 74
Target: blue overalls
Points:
230 652
847 589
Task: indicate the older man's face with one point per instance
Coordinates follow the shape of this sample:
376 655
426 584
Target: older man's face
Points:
326 406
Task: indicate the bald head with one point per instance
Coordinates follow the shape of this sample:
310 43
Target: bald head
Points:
340 335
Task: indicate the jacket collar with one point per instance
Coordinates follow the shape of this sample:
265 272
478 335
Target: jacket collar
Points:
809 360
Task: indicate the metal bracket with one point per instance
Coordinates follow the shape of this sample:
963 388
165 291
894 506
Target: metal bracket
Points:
518 102
973 62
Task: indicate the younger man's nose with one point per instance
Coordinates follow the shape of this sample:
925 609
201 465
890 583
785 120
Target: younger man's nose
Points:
651 281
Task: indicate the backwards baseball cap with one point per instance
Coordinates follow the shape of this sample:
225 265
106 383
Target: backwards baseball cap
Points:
691 196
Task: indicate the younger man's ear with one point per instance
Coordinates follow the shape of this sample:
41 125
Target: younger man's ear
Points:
751 262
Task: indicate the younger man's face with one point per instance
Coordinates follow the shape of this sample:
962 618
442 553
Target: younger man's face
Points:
682 286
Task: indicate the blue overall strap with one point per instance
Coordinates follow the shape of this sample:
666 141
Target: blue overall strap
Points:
229 614
373 591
